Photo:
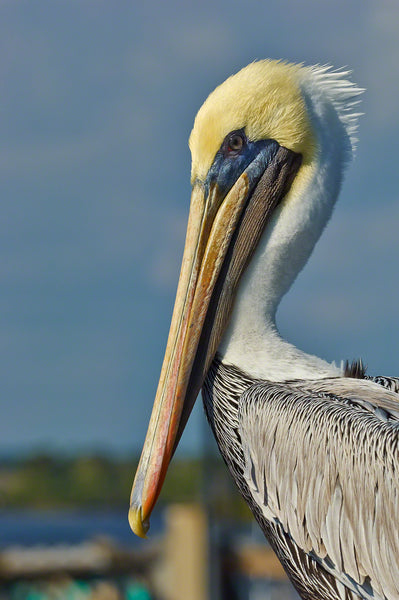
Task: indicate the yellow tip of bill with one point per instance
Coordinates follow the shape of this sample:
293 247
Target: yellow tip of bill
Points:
138 526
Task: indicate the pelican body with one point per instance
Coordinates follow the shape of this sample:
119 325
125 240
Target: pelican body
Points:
312 447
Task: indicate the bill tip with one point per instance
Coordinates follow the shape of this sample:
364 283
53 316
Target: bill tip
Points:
138 525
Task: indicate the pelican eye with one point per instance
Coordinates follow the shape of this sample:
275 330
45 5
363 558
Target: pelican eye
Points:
234 142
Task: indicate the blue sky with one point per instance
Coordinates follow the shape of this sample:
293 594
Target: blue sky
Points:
97 102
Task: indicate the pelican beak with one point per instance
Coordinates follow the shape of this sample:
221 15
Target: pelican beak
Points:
228 214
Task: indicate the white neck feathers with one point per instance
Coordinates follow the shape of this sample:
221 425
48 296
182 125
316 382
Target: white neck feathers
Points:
251 341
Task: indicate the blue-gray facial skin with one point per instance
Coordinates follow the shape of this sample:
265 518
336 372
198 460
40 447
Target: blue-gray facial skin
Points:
230 163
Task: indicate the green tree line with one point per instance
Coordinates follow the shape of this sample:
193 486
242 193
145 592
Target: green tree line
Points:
43 481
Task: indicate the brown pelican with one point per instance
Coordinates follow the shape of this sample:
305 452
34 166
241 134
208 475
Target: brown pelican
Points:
312 447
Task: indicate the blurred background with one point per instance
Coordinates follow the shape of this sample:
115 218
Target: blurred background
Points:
97 100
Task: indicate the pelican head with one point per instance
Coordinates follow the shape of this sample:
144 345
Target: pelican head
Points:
268 148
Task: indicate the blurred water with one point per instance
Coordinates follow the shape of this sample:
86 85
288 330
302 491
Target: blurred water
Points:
29 527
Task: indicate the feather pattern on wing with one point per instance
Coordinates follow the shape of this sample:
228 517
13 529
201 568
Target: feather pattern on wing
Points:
316 461
324 458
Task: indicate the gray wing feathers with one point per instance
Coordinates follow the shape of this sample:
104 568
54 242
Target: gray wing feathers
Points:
376 395
391 383
322 462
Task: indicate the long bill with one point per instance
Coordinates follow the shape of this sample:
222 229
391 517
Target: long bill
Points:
222 233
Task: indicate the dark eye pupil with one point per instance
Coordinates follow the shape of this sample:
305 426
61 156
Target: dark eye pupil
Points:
235 142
